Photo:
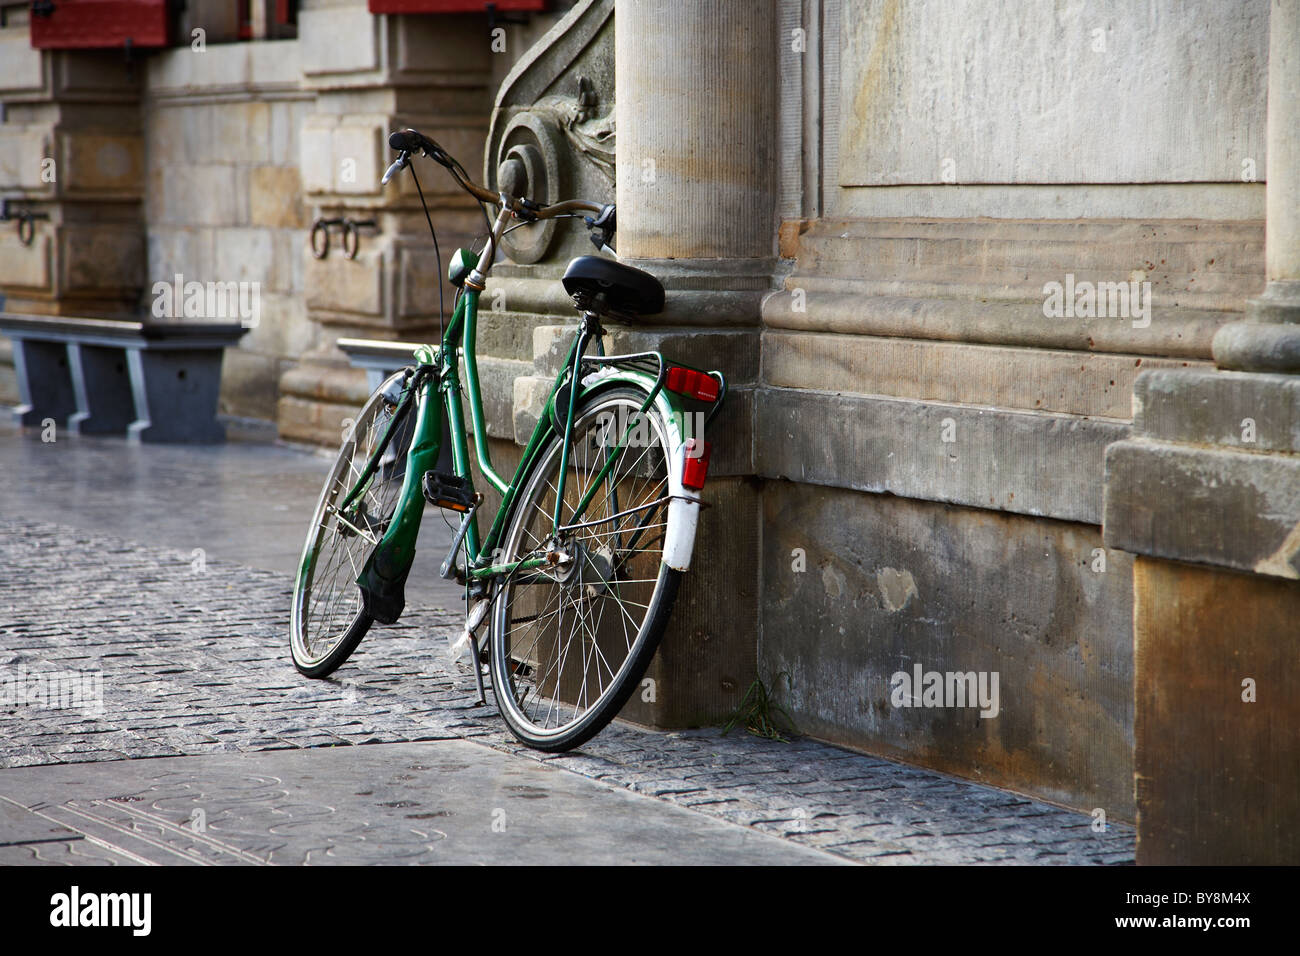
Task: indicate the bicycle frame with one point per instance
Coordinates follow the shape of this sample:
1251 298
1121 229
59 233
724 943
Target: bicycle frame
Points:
437 371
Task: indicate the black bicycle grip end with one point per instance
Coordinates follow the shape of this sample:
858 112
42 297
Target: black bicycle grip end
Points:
408 140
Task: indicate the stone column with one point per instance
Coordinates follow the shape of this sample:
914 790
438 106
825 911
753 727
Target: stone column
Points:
1269 338
1206 494
371 75
71 154
696 175
696 166
72 157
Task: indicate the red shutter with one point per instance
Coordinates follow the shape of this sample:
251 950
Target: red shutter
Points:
99 24
455 6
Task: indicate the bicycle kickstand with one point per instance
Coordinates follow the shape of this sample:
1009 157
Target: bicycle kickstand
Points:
478 670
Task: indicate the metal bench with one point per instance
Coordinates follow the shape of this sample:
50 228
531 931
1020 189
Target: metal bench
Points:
151 382
379 358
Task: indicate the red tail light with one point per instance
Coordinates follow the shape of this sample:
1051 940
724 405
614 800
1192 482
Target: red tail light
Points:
687 381
696 468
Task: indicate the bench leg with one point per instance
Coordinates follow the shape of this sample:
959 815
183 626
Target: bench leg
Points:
175 395
102 387
44 382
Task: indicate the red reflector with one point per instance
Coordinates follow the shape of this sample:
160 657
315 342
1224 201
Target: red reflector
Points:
686 381
696 468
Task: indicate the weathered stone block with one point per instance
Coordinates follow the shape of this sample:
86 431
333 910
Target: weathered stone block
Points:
857 588
316 158
312 422
22 151
204 195
245 255
1217 755
283 328
1253 412
249 384
319 31
239 133
103 163
104 257
1235 509
708 657
180 250
27 266
346 285
908 103
1026 462
286 119
20 64
357 151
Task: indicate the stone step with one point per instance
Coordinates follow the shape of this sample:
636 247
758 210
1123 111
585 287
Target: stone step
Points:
1081 231
1028 292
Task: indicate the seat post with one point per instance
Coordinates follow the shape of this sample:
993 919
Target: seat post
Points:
591 327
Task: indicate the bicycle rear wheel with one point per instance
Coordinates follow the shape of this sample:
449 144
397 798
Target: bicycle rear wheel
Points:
328 620
570 642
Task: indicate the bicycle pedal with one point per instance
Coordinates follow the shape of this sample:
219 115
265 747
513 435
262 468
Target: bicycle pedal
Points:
447 491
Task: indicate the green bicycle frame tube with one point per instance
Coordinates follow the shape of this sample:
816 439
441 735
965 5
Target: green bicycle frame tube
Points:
392 558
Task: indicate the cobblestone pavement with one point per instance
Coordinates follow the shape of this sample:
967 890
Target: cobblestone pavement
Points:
195 662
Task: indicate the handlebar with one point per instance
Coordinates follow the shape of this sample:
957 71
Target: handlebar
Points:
409 141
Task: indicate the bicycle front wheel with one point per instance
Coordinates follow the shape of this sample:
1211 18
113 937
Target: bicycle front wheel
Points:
570 641
328 620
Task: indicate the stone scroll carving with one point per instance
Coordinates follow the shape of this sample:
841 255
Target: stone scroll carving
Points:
555 114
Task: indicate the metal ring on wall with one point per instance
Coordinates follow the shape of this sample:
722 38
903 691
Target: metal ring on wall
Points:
351 239
320 249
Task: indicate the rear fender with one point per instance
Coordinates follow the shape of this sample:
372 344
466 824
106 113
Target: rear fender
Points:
684 508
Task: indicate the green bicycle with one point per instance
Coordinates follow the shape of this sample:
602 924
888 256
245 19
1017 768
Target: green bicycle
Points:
578 571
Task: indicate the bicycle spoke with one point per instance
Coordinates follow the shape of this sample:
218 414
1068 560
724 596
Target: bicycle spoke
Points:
560 640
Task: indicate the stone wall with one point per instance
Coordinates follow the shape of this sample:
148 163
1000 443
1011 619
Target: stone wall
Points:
858 211
942 441
211 161
225 201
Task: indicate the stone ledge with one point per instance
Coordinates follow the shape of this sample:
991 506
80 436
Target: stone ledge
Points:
1208 505
1003 460
225 67
1205 406
1041 380
959 314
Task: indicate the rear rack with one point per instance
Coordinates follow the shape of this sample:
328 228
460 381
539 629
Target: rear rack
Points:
653 363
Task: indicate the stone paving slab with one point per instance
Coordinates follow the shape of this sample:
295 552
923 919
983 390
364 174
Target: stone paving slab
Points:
196 663
451 802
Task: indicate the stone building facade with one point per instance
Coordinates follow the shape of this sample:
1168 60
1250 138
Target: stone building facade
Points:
1007 295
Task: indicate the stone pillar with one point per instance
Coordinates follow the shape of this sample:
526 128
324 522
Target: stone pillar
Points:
696 174
72 155
428 72
696 156
1206 494
1268 340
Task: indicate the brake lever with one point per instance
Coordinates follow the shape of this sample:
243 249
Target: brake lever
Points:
602 229
402 161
